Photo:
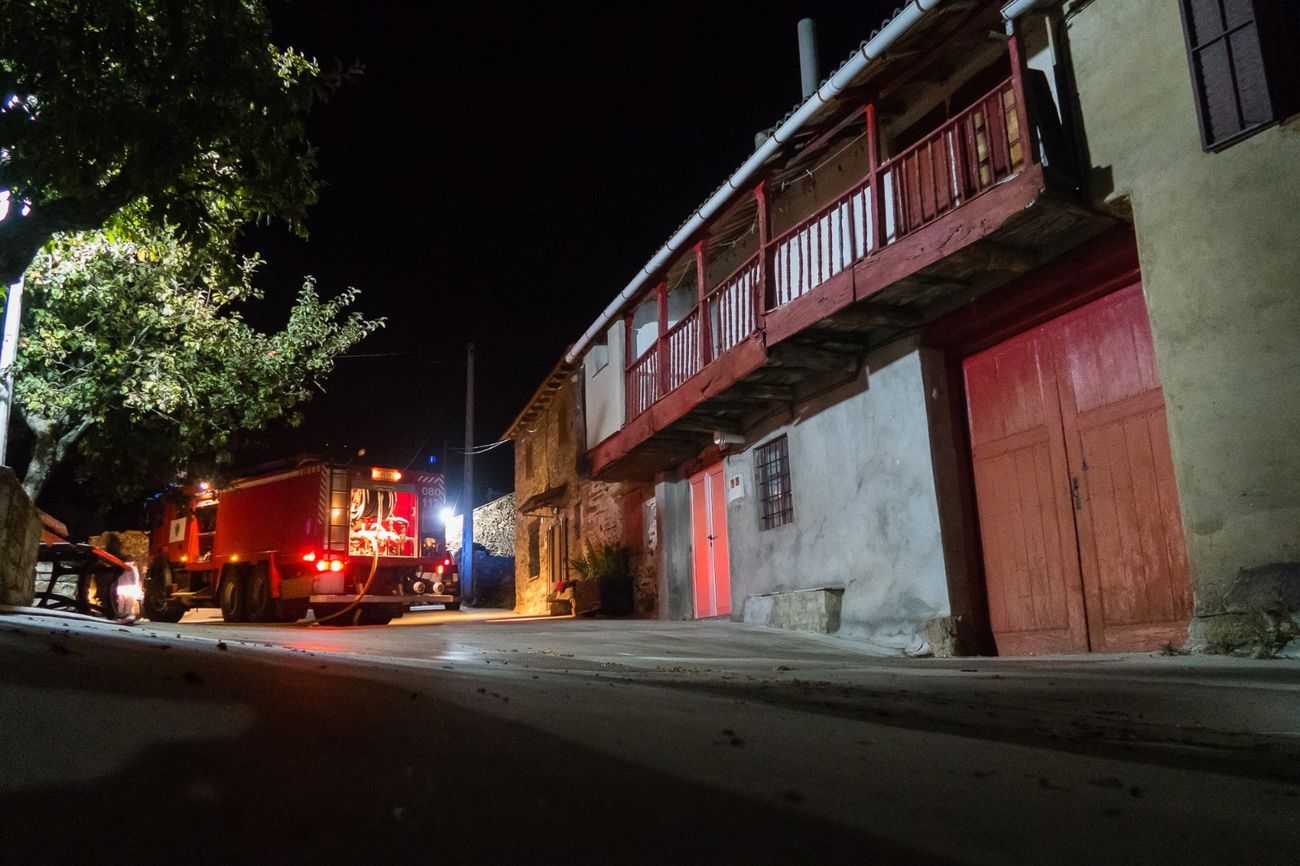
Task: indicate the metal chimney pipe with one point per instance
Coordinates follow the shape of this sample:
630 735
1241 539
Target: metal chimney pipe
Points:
809 65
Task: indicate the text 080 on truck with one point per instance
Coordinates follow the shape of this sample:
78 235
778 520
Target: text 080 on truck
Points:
357 545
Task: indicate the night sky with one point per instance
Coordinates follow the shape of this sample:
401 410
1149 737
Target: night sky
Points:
498 174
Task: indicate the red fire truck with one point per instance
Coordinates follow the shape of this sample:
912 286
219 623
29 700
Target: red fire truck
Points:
357 545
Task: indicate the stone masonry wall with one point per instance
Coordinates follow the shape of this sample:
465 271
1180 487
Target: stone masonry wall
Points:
494 525
20 530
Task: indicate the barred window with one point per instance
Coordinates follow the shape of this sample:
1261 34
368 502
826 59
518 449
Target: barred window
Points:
534 549
776 503
1244 72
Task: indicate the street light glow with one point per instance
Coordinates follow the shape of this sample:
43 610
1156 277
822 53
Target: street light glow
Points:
446 515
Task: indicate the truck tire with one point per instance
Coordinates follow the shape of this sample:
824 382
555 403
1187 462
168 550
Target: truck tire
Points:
452 605
155 606
259 606
234 607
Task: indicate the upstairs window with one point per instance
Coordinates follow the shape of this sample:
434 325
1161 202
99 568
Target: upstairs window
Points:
772 465
1244 68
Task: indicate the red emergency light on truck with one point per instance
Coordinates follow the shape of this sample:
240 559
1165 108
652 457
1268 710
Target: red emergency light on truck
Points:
316 535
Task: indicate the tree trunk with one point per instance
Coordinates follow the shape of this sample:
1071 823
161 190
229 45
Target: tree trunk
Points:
52 439
44 444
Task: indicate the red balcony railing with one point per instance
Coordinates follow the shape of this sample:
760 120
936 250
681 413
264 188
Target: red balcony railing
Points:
643 382
682 344
967 155
822 245
972 152
730 308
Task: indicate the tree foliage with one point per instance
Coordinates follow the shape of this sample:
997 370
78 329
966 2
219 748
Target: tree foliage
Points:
137 354
185 103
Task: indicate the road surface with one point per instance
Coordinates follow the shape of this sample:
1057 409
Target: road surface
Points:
481 737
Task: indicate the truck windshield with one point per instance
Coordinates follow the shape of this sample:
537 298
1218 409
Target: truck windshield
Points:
382 517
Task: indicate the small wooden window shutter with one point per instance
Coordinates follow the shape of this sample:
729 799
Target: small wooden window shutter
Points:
1243 60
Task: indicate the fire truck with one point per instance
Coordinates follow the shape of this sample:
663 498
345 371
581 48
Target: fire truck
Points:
356 545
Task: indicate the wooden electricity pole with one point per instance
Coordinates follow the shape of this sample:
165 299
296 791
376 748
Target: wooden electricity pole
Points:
467 495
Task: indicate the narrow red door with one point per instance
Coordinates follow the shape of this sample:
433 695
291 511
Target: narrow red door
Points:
1079 519
712 570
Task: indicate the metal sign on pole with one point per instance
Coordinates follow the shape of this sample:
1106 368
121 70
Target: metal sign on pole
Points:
467 496
8 354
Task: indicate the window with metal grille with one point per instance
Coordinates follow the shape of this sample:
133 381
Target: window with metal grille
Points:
534 549
776 502
1244 73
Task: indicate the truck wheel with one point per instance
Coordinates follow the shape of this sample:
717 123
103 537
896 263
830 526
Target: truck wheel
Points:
155 605
234 607
259 605
452 605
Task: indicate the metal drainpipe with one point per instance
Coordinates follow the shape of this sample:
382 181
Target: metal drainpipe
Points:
832 87
1016 8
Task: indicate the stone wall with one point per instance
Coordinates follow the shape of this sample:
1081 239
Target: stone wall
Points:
132 545
577 511
494 527
20 531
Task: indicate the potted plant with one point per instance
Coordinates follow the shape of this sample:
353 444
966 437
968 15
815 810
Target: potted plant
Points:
604 580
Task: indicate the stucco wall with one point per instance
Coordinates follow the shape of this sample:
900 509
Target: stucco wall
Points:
1217 240
865 513
602 368
672 514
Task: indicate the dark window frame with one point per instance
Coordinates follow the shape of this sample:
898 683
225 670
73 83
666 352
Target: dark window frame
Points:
772 482
534 549
1273 26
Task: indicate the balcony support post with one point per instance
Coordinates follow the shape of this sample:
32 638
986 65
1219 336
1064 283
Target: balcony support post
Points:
662 346
629 357
1019 70
876 241
702 325
766 286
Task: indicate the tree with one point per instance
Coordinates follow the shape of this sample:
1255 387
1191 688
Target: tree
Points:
136 354
183 102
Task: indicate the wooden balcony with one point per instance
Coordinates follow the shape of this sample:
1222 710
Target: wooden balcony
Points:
959 212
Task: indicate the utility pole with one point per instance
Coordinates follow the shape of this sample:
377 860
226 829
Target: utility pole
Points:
467 495
9 354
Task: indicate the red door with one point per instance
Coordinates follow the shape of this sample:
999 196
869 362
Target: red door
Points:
712 566
1082 536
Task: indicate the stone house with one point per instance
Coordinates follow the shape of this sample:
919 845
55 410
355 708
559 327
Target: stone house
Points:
988 347
560 510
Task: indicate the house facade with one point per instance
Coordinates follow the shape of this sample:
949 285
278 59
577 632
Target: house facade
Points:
560 510
952 364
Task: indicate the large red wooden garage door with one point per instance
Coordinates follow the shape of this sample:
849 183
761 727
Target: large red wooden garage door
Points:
1082 537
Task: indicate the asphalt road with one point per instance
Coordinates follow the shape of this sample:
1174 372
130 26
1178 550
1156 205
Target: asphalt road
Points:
473 737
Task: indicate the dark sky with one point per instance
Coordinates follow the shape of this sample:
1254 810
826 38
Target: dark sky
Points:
499 172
